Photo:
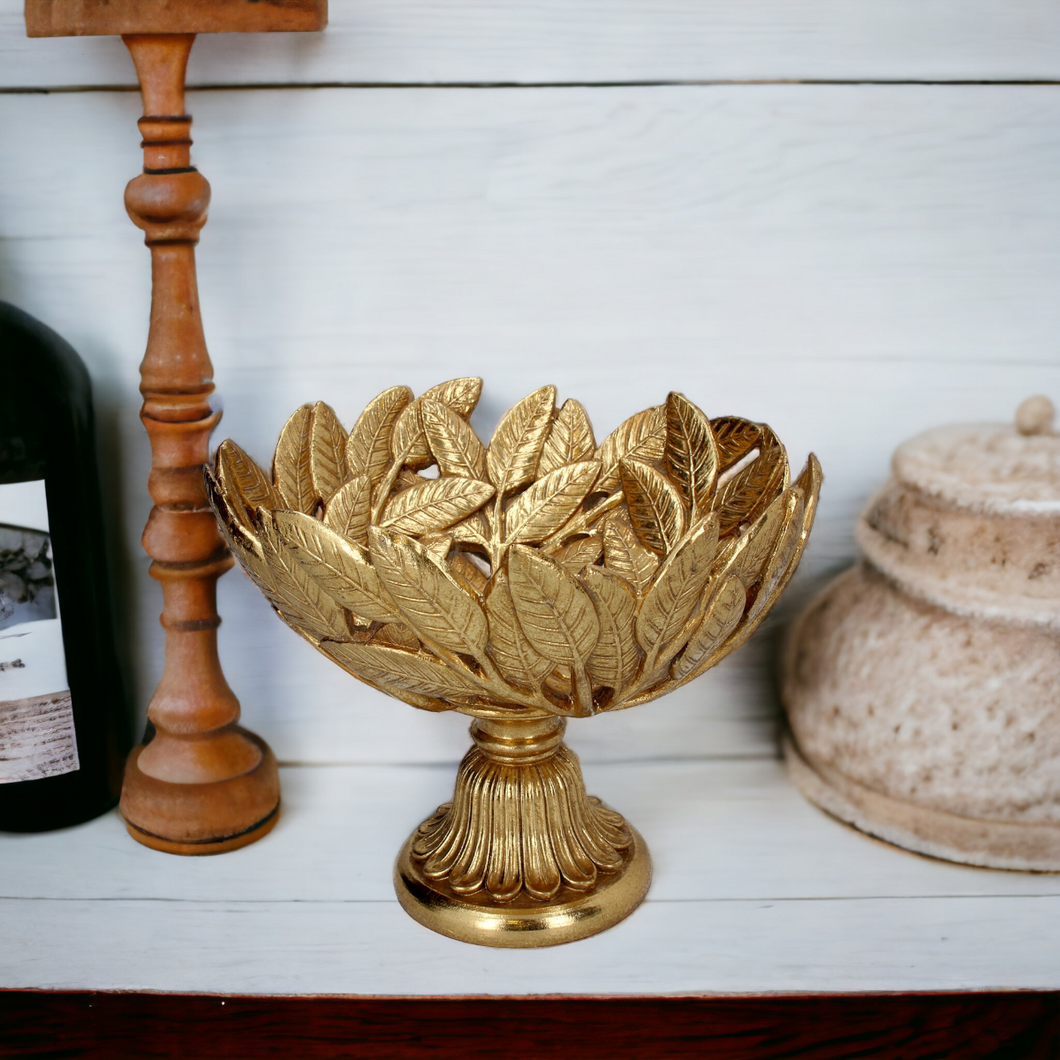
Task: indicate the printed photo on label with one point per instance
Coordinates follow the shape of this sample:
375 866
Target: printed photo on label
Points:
37 737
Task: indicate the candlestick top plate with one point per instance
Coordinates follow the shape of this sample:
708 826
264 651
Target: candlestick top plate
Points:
86 18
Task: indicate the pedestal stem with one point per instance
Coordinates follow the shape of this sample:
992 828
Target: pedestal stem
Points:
201 784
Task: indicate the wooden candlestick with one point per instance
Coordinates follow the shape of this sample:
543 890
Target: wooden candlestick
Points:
199 784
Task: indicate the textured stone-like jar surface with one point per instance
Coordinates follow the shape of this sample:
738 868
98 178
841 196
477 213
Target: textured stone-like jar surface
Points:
930 673
930 707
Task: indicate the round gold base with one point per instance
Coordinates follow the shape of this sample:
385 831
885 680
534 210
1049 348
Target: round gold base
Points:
524 922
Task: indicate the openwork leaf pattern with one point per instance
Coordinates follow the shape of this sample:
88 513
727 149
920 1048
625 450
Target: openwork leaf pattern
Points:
720 617
515 448
518 660
292 470
654 505
327 453
432 602
676 591
338 566
570 440
368 448
452 441
350 510
735 438
615 658
744 496
549 502
626 556
553 610
641 437
435 504
542 573
399 673
691 453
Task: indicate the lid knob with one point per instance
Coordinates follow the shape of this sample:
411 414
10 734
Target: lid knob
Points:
1035 415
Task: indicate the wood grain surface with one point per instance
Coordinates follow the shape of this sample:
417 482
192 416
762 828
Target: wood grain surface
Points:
93 1025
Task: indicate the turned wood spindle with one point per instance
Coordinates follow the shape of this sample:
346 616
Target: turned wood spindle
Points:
199 784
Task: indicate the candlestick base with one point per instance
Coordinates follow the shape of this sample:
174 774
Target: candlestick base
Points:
209 818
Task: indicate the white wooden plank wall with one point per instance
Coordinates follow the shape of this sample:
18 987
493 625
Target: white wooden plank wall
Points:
851 261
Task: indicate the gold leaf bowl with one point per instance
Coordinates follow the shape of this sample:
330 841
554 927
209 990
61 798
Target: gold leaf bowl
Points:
537 577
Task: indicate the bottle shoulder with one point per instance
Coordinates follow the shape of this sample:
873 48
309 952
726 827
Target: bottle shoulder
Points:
33 355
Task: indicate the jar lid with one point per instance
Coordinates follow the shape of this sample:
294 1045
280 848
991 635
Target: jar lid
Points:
998 469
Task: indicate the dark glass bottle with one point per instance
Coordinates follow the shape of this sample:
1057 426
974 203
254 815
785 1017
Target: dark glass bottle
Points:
64 722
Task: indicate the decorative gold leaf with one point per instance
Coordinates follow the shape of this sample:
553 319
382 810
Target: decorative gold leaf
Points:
433 603
549 502
516 658
437 546
554 611
580 552
743 497
397 635
809 481
350 511
747 554
291 467
735 438
788 540
340 567
232 519
515 448
570 440
626 556
410 439
368 449
615 658
691 454
460 395
472 530
720 618
454 444
243 478
435 504
677 589
292 591
327 456
398 672
469 573
406 478
655 509
641 437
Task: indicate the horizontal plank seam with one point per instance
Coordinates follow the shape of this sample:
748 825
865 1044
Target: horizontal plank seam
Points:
253 86
648 901
672 995
450 763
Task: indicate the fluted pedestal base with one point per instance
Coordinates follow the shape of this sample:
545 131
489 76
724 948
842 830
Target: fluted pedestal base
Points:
522 856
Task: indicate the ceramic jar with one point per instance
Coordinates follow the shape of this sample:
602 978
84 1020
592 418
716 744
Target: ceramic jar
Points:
922 687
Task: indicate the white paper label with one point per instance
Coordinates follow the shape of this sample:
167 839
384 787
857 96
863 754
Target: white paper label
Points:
36 715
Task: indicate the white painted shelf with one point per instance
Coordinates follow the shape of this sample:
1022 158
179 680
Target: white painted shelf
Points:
755 891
